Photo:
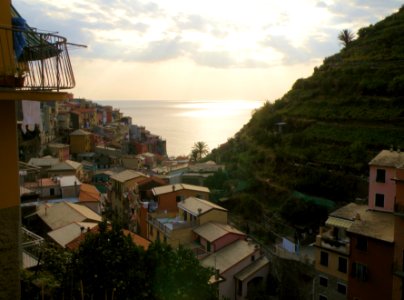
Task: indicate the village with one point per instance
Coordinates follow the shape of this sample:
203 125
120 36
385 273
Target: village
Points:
92 175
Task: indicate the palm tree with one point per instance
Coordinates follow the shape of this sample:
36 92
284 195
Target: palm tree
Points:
346 36
199 150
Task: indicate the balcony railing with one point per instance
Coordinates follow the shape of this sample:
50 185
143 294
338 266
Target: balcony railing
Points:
30 60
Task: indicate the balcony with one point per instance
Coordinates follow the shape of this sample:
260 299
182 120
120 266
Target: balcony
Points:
33 61
328 241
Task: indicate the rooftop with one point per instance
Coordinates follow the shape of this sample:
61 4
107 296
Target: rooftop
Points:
89 193
212 231
66 234
388 158
229 256
64 213
160 190
126 175
80 132
197 206
374 224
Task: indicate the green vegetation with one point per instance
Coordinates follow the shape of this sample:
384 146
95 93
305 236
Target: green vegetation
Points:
108 265
319 137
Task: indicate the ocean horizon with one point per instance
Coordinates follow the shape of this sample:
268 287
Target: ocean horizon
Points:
182 123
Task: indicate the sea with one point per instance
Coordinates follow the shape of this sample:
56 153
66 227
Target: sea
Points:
183 123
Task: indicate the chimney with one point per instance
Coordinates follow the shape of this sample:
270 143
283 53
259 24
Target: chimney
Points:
173 187
358 217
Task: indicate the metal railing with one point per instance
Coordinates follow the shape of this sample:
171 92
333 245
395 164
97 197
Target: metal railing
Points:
30 60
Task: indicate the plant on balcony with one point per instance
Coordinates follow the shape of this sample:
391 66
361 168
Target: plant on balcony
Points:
13 78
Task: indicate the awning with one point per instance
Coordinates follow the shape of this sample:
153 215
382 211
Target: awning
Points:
338 222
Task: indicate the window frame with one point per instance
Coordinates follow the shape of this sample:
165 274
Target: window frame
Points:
379 197
323 281
324 258
381 175
343 269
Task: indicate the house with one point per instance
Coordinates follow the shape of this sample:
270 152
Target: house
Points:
332 253
213 236
124 195
70 186
371 256
80 141
168 196
57 215
90 197
382 169
66 234
47 188
137 240
61 151
66 168
44 163
239 265
134 162
360 250
176 228
198 172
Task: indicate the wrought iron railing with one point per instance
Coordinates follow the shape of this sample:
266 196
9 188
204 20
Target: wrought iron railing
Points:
30 60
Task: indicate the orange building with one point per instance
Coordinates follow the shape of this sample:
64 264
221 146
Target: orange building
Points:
167 197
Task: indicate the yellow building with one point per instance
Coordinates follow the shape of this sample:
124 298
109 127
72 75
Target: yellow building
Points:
176 228
22 77
80 141
124 195
332 253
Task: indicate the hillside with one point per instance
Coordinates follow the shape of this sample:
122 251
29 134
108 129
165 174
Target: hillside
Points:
319 137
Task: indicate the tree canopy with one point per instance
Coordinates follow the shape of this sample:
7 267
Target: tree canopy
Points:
108 265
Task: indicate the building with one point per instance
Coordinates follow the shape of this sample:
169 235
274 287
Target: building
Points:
38 72
239 266
80 141
333 251
61 151
371 256
359 251
124 195
167 197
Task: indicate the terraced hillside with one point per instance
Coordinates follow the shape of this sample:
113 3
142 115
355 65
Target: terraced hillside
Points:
319 137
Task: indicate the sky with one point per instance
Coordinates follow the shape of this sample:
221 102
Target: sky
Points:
198 50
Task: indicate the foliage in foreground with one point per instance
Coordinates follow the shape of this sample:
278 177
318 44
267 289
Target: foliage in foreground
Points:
108 265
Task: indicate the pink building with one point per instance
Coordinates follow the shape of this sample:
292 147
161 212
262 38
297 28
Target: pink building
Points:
213 236
382 190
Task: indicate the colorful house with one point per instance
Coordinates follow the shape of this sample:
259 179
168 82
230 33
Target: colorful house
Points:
80 141
167 197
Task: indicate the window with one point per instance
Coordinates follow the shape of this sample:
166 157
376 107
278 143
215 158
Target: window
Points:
342 264
379 200
252 257
178 199
360 271
185 215
361 243
324 258
341 288
380 175
151 230
323 281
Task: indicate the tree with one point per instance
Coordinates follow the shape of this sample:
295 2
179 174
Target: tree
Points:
199 150
346 36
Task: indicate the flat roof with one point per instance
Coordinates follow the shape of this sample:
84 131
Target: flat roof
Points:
374 224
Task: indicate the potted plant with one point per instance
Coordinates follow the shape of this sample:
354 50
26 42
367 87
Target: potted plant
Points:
19 77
